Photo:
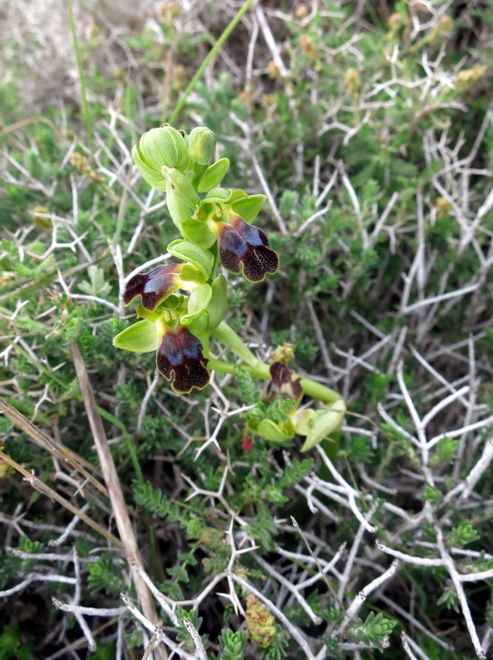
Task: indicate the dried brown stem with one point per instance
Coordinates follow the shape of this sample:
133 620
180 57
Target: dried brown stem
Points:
112 481
53 495
48 443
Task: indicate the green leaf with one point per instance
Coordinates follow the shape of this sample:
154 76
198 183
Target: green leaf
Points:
219 302
96 286
197 303
141 337
233 644
213 175
248 207
194 254
325 421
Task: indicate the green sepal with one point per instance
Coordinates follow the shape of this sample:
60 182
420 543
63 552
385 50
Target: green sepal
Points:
325 421
213 175
179 184
272 432
303 421
248 207
153 177
198 327
218 305
194 254
197 303
141 337
198 232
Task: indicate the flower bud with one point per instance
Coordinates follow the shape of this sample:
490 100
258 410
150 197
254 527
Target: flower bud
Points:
158 147
202 145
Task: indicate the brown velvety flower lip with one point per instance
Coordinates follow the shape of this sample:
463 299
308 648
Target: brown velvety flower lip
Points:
243 246
179 356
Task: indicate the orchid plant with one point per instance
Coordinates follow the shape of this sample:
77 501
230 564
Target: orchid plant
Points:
183 304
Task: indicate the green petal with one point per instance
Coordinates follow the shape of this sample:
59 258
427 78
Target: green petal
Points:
218 195
213 175
197 256
248 207
325 421
141 337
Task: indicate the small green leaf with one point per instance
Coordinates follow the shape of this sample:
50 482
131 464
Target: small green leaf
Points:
141 337
197 303
325 421
96 286
213 175
248 207
197 256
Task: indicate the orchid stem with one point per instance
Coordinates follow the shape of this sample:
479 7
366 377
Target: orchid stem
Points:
230 339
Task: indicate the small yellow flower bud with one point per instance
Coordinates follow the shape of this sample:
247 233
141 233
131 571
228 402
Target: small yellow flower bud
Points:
352 81
443 207
40 218
466 78
301 11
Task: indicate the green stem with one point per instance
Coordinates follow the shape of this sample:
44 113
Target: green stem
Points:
85 105
205 63
229 338
261 371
